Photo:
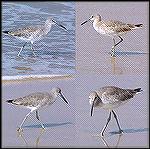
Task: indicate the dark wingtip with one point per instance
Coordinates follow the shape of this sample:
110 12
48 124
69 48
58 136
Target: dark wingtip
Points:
9 101
139 25
5 32
138 90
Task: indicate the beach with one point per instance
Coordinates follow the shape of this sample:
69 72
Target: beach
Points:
70 125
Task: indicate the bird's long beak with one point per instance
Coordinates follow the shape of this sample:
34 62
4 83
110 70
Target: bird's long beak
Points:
85 21
62 97
92 108
59 25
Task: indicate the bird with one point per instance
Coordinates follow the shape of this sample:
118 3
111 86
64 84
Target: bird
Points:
112 28
36 101
109 98
33 33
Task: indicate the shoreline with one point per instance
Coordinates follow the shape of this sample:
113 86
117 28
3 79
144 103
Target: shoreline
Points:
35 78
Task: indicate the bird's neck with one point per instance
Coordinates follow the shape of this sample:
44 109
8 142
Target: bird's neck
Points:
97 22
47 27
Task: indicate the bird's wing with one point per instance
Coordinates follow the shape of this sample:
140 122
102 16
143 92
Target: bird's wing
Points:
25 32
114 23
118 26
31 100
109 98
117 94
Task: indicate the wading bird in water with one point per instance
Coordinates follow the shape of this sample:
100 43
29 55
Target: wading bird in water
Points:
33 33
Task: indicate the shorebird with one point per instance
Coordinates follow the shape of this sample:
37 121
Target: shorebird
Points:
33 33
35 101
111 28
109 98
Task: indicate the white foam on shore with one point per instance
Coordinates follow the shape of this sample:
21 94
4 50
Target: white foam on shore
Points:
25 77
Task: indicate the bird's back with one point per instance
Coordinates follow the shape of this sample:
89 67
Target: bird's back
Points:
112 96
30 33
114 27
33 100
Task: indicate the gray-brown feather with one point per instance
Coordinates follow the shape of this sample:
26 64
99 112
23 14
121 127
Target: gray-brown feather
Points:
118 26
26 32
33 100
116 93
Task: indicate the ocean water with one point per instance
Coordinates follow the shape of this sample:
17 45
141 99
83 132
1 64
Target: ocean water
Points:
55 54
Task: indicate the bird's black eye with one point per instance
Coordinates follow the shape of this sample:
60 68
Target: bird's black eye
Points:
92 16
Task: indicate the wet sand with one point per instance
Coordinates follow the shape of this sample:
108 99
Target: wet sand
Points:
93 49
72 125
58 118
129 69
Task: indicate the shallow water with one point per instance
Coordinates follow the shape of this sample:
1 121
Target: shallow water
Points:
55 53
71 125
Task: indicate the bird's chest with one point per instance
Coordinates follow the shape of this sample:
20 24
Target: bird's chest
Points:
102 28
99 29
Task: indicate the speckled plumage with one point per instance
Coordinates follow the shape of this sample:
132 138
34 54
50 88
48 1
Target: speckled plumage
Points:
34 101
111 28
33 33
111 97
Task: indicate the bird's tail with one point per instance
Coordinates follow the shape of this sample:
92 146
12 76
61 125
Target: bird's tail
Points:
138 25
5 32
9 101
138 90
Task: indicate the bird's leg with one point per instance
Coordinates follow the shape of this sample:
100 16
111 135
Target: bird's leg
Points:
113 48
109 118
37 116
19 129
115 44
115 116
32 49
22 48
119 41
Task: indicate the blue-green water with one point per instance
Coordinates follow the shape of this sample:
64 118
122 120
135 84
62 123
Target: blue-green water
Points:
55 53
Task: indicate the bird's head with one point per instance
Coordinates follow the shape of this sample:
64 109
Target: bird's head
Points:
93 98
58 93
96 17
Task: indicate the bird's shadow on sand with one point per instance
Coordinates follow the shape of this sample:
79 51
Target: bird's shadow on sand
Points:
129 131
48 125
127 53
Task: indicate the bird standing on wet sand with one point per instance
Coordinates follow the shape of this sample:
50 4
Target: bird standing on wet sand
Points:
36 101
33 33
111 28
110 97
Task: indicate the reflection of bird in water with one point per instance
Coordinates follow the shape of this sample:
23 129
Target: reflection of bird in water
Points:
117 144
33 33
110 97
38 100
115 69
112 28
20 134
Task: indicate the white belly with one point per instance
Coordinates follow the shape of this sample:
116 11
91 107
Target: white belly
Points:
103 30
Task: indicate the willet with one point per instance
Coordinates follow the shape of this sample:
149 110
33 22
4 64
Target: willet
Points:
111 28
34 101
33 33
111 97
